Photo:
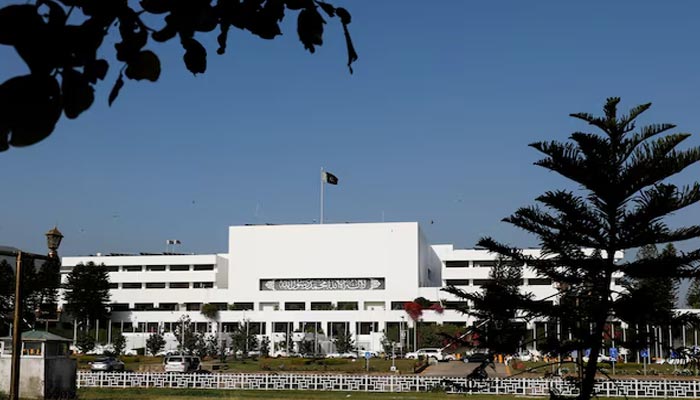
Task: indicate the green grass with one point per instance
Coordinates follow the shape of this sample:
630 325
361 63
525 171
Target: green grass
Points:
293 364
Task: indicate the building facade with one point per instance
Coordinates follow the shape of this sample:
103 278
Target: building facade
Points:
282 279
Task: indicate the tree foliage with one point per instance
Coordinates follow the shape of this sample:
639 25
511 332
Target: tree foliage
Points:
85 342
65 38
155 343
496 307
86 292
693 296
344 342
39 286
119 344
210 311
648 300
621 202
243 340
185 335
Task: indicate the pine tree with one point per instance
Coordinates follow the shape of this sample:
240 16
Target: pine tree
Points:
86 292
496 307
620 203
693 296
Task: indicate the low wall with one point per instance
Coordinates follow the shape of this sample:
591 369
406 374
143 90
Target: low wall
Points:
386 383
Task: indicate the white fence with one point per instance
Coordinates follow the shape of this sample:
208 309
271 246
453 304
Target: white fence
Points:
385 383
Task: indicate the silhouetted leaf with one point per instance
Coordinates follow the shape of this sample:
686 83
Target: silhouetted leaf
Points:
310 28
30 106
195 56
352 55
298 4
115 90
96 70
222 38
145 65
78 95
168 32
206 20
157 6
327 8
344 15
16 21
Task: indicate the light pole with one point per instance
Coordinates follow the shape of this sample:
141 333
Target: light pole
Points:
53 241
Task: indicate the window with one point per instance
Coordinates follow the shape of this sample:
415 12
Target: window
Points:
179 285
295 306
455 305
480 282
119 307
337 328
155 285
31 348
311 327
193 306
365 328
131 285
539 282
457 282
201 327
220 306
229 326
318 306
179 267
484 264
456 264
241 306
152 327
143 306
167 306
112 268
281 327
204 267
347 305
155 267
398 305
133 268
113 285
202 285
256 328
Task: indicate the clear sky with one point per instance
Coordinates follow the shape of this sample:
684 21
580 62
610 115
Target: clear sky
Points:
432 127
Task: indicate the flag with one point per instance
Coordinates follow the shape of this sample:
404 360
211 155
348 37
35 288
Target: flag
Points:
172 241
330 178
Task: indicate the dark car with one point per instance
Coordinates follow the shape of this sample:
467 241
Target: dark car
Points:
106 364
478 358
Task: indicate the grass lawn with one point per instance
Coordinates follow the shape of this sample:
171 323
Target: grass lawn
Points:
633 370
292 364
199 394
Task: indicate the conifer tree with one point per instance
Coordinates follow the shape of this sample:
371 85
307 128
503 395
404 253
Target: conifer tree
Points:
621 198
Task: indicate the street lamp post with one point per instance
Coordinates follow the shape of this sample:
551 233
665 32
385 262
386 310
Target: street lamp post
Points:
53 241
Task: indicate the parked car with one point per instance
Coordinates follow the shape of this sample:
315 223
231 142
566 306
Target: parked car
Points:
106 364
341 355
181 364
477 358
434 353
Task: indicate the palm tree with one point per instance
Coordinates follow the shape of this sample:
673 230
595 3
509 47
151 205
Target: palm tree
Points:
620 203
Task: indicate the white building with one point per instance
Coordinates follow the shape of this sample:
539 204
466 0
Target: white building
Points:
285 278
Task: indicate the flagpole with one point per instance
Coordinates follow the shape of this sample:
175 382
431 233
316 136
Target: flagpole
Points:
322 185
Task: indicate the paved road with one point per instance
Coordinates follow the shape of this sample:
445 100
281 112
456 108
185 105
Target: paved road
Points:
459 368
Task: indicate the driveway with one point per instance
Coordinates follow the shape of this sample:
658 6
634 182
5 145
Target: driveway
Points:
459 368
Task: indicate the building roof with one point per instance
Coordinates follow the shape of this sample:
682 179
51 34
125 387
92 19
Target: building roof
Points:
39 336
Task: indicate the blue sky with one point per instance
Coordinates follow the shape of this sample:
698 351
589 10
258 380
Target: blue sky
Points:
433 125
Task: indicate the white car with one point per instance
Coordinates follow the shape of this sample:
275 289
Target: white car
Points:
181 364
434 353
341 355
